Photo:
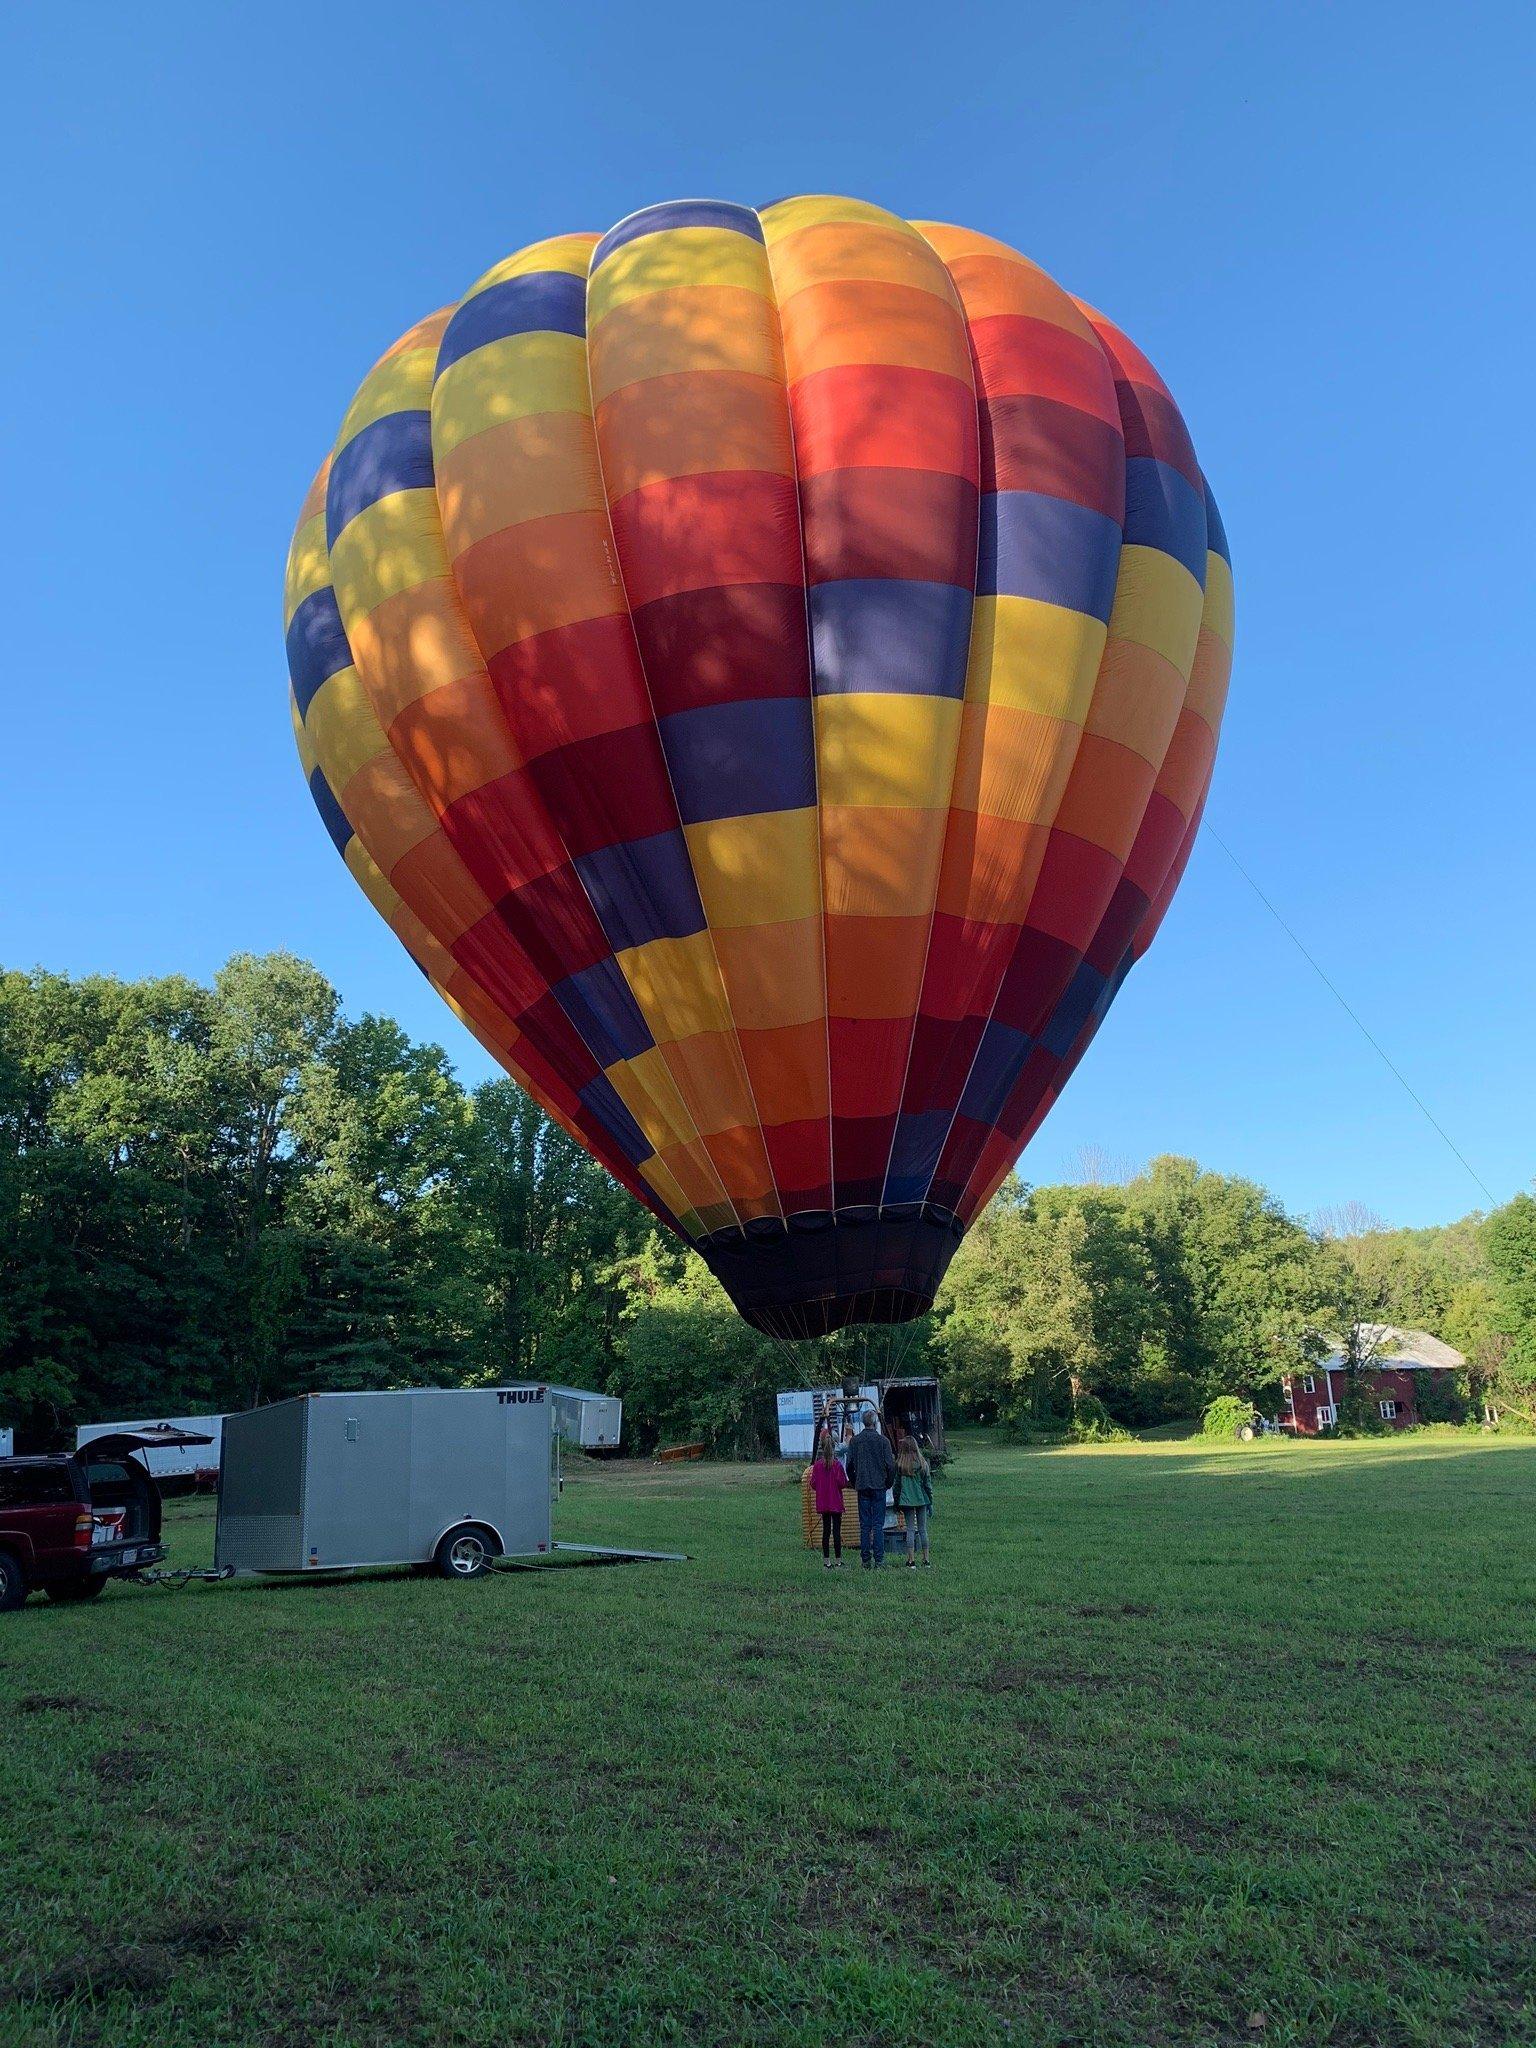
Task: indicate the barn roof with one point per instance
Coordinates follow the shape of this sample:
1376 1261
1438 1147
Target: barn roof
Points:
1406 1350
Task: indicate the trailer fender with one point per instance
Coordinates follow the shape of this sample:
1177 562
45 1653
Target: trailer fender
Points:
468 1522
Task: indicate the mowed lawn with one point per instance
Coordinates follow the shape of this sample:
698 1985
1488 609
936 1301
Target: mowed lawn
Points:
1174 1745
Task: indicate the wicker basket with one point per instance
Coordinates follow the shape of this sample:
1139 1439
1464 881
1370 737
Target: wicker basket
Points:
810 1519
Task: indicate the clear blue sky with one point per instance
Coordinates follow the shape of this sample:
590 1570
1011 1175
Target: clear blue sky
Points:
1316 221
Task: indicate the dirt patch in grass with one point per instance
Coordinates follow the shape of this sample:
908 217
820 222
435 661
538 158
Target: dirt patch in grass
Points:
205 1935
875 1835
1020 1675
433 1758
335 2016
1507 1921
828 1902
1200 1833
56 1703
925 1905
1407 1639
139 1969
121 1768
461 1756
142 1969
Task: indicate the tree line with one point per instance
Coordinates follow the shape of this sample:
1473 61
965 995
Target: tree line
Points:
1091 1307
216 1196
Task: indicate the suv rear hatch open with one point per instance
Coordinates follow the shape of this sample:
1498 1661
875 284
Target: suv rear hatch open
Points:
125 1501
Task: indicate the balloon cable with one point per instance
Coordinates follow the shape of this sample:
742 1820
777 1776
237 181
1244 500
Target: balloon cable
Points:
1380 1053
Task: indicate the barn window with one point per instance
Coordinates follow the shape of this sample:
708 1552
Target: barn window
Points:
1324 1415
1388 1410
1308 1384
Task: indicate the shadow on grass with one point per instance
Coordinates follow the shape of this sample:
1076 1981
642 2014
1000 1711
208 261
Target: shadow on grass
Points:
1382 1462
1354 1459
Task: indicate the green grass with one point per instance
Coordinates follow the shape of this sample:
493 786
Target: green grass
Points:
1176 1744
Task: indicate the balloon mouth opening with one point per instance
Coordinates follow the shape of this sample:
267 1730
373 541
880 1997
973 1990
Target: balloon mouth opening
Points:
795 1320
820 1270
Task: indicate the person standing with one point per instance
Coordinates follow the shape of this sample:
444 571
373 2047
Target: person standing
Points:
827 1482
914 1497
871 1467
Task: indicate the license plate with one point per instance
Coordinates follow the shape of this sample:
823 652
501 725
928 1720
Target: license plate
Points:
130 1557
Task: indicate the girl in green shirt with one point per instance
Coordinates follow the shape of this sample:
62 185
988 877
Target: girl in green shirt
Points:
914 1496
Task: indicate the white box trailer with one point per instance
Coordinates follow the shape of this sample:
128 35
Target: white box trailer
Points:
588 1421
192 1462
6 1441
913 1405
424 1475
802 1410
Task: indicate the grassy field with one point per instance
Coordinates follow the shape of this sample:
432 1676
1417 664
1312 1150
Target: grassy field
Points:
1174 1745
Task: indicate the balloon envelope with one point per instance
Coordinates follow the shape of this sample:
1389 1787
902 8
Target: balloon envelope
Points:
766 666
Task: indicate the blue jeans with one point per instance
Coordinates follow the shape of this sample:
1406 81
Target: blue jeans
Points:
872 1527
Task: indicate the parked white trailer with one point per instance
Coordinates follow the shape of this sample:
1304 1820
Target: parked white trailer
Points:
192 1462
451 1477
586 1420
6 1441
800 1415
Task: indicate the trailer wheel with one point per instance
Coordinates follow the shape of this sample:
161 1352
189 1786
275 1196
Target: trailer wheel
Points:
465 1553
13 1584
71 1591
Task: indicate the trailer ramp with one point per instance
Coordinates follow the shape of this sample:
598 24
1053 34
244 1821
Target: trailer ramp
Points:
590 1553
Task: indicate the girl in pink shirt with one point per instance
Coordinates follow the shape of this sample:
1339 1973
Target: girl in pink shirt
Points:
827 1482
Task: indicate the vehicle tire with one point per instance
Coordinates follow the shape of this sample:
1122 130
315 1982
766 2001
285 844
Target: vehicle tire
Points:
1245 1434
70 1592
13 1583
465 1552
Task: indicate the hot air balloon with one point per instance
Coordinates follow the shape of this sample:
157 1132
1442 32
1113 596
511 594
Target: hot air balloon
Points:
766 667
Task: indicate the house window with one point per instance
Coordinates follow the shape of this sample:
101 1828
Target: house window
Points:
1308 1384
1388 1410
1324 1415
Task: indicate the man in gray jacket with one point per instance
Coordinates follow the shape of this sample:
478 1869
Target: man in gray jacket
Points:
871 1466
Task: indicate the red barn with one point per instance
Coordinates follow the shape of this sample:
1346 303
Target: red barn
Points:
1311 1400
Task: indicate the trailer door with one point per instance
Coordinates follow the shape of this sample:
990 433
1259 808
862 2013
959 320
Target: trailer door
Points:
459 1461
357 1480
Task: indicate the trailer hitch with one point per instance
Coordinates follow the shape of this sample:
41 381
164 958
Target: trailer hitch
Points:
178 1579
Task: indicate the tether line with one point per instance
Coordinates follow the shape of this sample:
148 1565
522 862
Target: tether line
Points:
1398 1075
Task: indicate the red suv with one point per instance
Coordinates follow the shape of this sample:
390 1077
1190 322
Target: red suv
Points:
71 1522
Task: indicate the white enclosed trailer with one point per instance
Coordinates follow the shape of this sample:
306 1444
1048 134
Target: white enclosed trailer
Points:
6 1440
424 1475
587 1421
803 1409
191 1462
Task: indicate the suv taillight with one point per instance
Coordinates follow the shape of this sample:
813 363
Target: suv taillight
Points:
83 1524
